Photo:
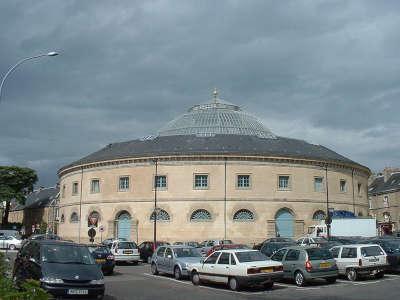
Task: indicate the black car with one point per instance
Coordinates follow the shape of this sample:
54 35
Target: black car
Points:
392 249
269 248
63 268
103 257
146 250
275 240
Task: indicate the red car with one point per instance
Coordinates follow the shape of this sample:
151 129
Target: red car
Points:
226 246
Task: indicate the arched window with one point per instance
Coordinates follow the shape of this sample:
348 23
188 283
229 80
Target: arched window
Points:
200 215
319 215
162 215
93 219
243 215
74 218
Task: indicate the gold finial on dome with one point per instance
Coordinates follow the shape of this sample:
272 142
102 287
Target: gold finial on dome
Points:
215 95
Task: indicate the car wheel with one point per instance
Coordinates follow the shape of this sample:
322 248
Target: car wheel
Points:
299 279
269 285
233 284
11 247
154 270
351 275
177 273
149 259
195 278
331 280
379 275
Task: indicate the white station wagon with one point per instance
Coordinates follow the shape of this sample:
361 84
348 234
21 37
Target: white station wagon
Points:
236 268
125 251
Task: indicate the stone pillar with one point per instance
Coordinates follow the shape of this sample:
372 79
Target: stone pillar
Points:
110 229
299 228
271 229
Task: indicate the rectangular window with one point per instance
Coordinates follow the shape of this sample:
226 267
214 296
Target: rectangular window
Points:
343 186
318 184
359 189
74 188
124 183
370 202
201 181
95 186
243 181
160 181
386 201
284 182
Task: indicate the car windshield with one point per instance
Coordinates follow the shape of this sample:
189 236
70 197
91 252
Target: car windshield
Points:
249 256
100 249
319 240
319 254
186 252
393 246
66 254
371 251
127 245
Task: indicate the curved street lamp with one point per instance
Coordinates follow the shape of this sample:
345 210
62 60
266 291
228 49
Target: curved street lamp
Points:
52 53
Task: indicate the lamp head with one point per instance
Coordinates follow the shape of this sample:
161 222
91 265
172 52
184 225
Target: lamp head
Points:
53 53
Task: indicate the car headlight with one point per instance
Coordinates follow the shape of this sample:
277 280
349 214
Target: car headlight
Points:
51 280
97 281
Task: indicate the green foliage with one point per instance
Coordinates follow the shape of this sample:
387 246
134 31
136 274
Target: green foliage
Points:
30 290
15 183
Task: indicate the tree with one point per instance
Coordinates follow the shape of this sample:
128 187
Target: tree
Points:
15 183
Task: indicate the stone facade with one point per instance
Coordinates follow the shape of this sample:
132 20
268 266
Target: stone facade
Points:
180 199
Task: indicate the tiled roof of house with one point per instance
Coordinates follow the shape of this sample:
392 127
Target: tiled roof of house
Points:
379 186
38 198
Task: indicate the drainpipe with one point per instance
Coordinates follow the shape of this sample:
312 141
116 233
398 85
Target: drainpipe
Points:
80 208
155 205
225 159
352 185
328 217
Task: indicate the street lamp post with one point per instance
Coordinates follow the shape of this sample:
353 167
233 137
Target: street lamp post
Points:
155 212
53 53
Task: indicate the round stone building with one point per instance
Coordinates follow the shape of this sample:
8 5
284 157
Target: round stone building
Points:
213 172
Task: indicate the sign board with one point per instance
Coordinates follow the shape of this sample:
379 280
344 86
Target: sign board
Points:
91 232
101 228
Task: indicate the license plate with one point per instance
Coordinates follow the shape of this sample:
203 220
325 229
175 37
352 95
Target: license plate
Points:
373 260
77 292
267 270
127 252
325 265
100 261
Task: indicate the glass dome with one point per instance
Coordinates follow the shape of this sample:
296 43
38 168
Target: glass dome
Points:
217 117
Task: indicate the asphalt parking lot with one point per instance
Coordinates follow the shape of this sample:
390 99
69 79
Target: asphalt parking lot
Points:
136 282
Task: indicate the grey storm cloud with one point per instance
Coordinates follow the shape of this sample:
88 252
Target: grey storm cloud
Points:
324 71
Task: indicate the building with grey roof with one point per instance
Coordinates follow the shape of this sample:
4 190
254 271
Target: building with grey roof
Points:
215 171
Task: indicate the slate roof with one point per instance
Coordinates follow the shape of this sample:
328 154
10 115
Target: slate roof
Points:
378 186
213 145
38 198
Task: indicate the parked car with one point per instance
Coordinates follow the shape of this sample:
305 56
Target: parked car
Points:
274 240
270 247
103 257
191 244
207 245
359 260
10 242
237 268
174 260
226 247
63 268
10 232
146 250
303 264
108 242
311 241
125 251
392 249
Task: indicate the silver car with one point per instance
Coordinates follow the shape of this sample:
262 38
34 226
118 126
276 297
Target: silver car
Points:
174 260
10 242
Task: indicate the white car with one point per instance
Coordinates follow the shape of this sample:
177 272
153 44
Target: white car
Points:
10 242
359 260
237 268
125 251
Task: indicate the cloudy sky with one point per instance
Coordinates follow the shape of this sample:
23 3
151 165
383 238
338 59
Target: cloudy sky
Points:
324 71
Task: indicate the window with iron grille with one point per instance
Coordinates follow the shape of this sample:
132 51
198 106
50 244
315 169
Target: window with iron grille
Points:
200 215
201 181
95 186
74 217
74 188
162 215
319 215
160 181
243 181
243 215
124 183
283 182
